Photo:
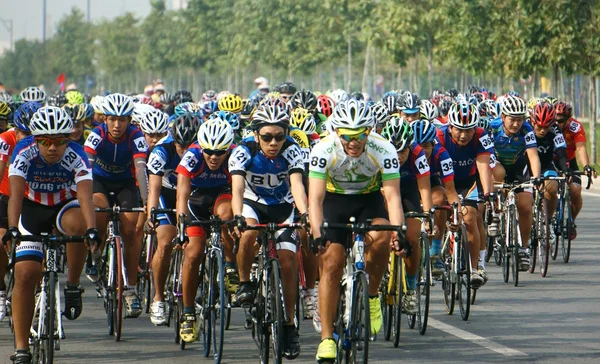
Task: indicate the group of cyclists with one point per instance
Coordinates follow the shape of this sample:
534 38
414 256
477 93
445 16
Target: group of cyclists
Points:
266 159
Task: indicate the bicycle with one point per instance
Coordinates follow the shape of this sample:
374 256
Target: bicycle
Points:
47 332
456 279
266 316
113 279
215 311
353 323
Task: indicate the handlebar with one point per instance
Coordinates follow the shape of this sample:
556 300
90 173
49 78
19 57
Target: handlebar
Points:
213 221
118 209
53 239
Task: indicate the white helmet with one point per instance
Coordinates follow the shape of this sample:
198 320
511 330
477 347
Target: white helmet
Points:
428 110
338 95
215 134
117 105
514 106
97 102
154 122
50 120
352 114
33 94
271 114
139 110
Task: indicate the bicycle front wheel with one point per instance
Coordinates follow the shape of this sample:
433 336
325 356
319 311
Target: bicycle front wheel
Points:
274 311
448 281
216 302
464 275
49 320
566 235
397 300
543 238
514 244
360 321
203 318
120 288
424 284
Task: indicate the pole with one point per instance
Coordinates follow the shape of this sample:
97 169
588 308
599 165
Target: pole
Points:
88 11
44 22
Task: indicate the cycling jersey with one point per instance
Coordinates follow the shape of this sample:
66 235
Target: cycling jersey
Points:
349 175
416 166
440 163
303 142
193 166
463 158
573 133
510 150
114 160
266 178
163 161
47 184
8 140
551 145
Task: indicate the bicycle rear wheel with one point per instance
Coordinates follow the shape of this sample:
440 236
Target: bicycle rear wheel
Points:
203 318
397 300
448 282
566 235
360 322
216 301
49 319
543 238
176 294
514 244
464 275
556 226
424 284
120 288
274 312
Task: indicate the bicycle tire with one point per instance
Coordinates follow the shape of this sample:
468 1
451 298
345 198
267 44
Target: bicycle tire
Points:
533 246
120 288
216 300
464 278
227 310
448 286
424 284
49 323
506 250
489 248
274 313
397 309
177 299
473 296
359 325
385 297
544 238
566 236
556 225
514 244
339 328
204 319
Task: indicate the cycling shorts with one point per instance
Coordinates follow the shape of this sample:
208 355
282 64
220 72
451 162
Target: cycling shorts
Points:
469 190
411 197
202 203
167 200
37 219
518 174
576 180
3 212
286 239
126 193
338 208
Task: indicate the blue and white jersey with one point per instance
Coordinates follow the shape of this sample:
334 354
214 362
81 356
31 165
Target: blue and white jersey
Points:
49 184
510 150
163 161
267 179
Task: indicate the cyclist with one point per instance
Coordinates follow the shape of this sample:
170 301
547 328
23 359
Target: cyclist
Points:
286 91
117 151
5 116
39 207
551 149
575 138
442 183
516 149
162 188
351 162
409 106
469 147
266 171
33 94
231 103
155 125
203 189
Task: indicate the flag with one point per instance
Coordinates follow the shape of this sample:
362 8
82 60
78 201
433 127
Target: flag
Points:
61 81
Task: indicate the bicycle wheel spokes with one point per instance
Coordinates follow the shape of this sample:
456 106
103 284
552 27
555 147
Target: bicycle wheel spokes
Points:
544 238
217 302
448 282
49 319
397 306
464 277
204 316
566 236
359 325
274 314
119 288
424 284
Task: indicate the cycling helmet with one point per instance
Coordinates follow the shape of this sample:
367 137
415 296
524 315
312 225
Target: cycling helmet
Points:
74 97
512 93
463 115
210 95
305 99
444 107
215 134
248 110
71 110
423 131
186 107
33 94
409 103
286 87
182 96
58 100
380 112
398 132
166 98
551 100
139 110
270 115
357 95
154 122
97 102
24 113
118 105
563 108
5 97
473 89
532 102
428 110
232 118
478 97
231 102
84 112
513 106
5 110
451 93
338 96
185 129
210 107
484 122
352 114
390 101
543 114
50 120
303 120
325 105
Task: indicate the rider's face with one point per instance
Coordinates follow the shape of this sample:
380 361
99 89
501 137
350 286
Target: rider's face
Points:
461 137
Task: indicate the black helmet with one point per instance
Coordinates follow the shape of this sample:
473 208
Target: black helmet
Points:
185 128
357 95
286 87
444 106
305 99
182 96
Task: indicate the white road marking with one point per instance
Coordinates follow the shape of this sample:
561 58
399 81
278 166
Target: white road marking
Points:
584 192
475 339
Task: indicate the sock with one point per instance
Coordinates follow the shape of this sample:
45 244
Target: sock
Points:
71 286
411 282
310 292
189 311
376 296
482 258
436 247
230 265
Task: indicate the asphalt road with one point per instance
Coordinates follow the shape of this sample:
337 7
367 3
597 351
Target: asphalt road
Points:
551 320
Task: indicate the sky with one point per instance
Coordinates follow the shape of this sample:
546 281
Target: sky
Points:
27 14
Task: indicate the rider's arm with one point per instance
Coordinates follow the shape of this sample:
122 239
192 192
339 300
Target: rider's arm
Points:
15 202
298 192
391 191
91 158
485 173
561 154
154 187
316 194
84 196
140 176
534 162
424 185
238 183
581 153
451 193
184 189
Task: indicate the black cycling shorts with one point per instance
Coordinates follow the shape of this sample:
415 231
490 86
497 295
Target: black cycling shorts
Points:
126 192
470 190
3 211
518 174
286 239
202 202
411 197
338 208
574 167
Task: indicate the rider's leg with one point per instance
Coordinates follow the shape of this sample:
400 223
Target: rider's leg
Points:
160 260
28 274
524 202
550 190
332 265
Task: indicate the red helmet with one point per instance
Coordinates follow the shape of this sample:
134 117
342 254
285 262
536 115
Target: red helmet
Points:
325 105
562 108
543 114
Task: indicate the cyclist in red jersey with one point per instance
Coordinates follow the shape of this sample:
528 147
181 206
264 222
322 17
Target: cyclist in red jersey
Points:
576 140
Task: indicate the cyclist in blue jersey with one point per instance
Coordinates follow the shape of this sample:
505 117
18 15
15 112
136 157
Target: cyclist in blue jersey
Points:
203 189
162 189
154 124
516 149
117 151
409 105
469 147
442 183
267 170
46 171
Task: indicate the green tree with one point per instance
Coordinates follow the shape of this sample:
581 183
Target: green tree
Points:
118 43
24 66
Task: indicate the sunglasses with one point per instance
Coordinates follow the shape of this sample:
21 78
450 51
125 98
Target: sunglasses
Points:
269 137
562 120
358 135
211 152
47 142
155 135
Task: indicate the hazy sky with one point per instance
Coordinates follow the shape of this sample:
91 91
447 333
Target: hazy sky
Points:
27 14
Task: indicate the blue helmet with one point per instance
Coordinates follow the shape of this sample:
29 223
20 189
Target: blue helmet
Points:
232 118
210 107
24 113
423 131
